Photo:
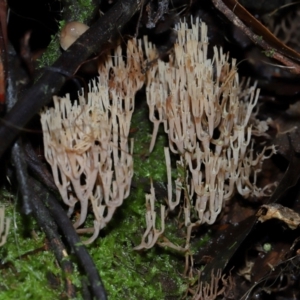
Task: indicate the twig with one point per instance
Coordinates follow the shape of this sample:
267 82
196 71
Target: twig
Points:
295 67
39 169
30 203
17 155
41 214
72 238
66 227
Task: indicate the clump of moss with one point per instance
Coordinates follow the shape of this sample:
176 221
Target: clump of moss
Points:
51 54
81 10
147 165
27 268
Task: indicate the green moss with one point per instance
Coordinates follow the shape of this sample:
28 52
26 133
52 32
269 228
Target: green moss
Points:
51 54
269 53
153 274
197 244
25 264
81 10
147 165
27 279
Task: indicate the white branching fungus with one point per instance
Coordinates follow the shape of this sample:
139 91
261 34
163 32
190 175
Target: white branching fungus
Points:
152 234
86 143
4 226
208 116
206 112
219 285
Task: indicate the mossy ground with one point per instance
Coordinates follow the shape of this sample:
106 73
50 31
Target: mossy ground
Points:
26 265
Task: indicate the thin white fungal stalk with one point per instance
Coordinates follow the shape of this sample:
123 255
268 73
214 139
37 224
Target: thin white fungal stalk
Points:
152 234
4 226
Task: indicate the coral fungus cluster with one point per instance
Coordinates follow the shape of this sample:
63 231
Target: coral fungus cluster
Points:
206 112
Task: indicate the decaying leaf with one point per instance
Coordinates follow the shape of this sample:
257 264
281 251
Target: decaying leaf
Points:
277 211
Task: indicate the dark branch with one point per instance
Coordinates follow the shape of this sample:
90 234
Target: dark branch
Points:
31 204
64 223
267 40
42 215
